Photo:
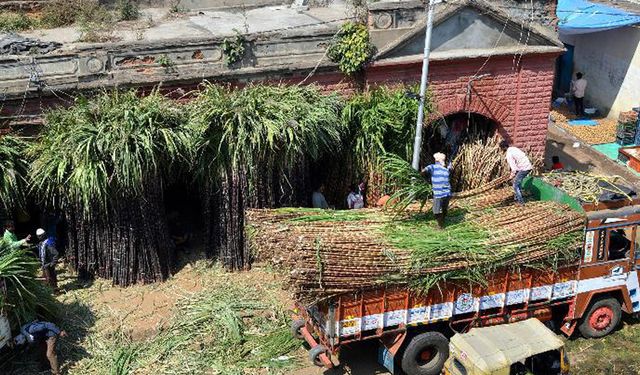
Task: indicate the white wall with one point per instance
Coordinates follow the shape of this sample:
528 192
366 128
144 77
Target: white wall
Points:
610 61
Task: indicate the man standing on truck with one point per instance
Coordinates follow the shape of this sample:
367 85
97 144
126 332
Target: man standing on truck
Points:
10 237
45 335
441 187
520 168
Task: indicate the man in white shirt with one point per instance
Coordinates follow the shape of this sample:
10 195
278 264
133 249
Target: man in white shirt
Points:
355 199
578 89
520 168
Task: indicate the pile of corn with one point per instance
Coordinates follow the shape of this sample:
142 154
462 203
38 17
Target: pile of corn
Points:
604 132
332 252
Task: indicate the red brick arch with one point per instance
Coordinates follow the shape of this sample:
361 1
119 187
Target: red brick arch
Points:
486 107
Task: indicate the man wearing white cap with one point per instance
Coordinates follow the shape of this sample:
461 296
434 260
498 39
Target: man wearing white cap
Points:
440 186
48 258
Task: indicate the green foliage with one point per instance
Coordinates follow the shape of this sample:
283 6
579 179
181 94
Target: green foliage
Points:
258 123
13 172
26 297
351 49
381 121
165 61
227 330
12 21
127 10
57 13
233 48
107 147
408 185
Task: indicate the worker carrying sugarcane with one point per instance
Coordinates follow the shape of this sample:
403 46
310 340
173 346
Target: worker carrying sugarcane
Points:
440 186
45 335
48 255
520 168
10 237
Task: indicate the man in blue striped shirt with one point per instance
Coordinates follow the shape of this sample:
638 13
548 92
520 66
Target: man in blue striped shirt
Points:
441 187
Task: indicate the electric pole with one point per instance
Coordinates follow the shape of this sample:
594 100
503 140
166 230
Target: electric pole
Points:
417 145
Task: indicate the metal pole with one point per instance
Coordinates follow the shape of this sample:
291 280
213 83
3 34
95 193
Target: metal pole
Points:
417 144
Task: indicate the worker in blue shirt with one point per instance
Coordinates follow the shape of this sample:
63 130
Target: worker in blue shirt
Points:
440 186
44 334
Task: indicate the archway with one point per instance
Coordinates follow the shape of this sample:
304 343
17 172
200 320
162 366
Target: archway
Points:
450 132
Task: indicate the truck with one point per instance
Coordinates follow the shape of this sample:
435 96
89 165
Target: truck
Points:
588 296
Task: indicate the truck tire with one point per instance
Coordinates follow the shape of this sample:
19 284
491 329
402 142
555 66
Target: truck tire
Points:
425 354
315 352
601 319
296 326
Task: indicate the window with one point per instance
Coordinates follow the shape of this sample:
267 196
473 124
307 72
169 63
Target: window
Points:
620 240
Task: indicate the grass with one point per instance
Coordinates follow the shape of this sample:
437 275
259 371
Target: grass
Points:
613 354
217 323
13 21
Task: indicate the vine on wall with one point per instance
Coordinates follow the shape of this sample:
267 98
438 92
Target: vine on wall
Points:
233 48
352 48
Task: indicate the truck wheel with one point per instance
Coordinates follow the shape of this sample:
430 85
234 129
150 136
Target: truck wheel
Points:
425 354
296 326
315 352
602 317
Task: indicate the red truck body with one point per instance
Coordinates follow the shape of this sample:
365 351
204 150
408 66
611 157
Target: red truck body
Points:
572 295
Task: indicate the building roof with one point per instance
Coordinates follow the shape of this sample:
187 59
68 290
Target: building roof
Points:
588 16
468 29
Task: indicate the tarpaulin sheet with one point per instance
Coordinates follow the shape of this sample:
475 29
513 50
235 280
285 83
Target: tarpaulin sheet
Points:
581 17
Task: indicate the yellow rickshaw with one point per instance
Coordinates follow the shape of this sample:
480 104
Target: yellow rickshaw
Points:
526 347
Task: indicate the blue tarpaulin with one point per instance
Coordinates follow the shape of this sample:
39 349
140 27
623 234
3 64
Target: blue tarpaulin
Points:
582 16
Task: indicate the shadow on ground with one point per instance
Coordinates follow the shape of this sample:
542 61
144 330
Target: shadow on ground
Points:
75 318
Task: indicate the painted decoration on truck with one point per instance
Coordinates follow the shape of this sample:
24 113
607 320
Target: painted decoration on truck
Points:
465 303
588 247
418 314
633 287
441 311
370 322
540 292
393 318
515 297
492 301
564 290
349 327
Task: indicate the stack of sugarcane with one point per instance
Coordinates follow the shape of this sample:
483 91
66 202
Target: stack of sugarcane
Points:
587 187
337 252
253 147
103 162
481 162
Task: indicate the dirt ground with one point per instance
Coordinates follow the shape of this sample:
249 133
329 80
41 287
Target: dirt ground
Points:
93 313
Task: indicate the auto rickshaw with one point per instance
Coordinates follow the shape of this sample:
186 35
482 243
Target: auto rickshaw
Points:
526 347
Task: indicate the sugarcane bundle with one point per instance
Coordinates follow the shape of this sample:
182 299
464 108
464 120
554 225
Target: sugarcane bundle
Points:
253 149
330 252
478 163
587 187
103 162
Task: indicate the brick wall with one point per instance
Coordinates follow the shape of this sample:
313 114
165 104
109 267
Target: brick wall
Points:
516 94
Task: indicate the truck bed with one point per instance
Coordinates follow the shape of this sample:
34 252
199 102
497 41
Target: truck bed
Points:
369 314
